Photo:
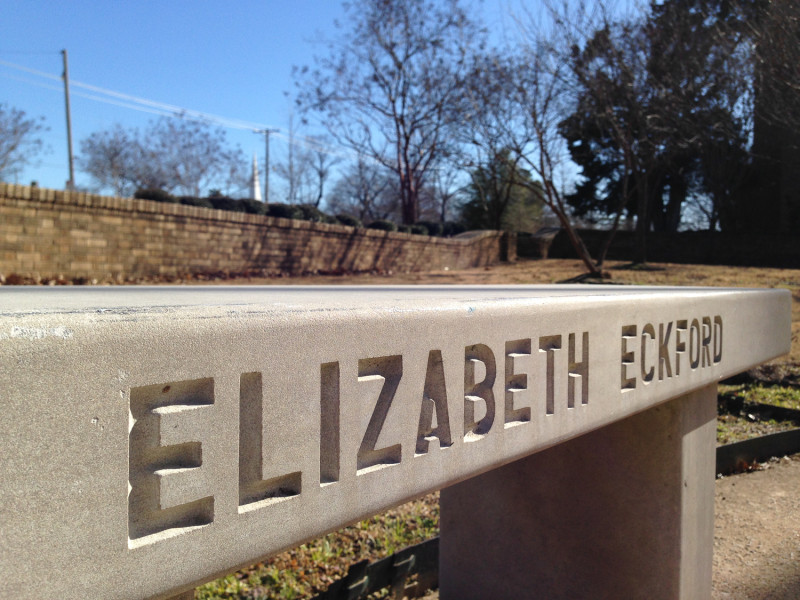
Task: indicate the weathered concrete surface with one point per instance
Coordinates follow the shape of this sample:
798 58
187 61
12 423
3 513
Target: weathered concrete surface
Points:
141 426
625 511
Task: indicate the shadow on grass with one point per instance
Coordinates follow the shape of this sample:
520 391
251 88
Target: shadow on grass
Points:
637 266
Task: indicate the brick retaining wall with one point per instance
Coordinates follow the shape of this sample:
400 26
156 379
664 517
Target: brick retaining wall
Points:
73 234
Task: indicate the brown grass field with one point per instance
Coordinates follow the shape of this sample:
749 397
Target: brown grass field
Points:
557 270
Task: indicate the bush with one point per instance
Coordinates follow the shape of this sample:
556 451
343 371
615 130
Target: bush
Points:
432 227
254 207
404 229
452 228
383 225
284 211
154 194
225 203
349 220
315 215
194 201
419 229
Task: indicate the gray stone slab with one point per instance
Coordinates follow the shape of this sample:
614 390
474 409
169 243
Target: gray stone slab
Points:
156 437
625 511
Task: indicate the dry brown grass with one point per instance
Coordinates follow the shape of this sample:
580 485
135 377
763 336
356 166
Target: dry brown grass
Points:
556 270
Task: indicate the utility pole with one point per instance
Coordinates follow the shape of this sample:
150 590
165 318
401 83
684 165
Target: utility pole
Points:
71 182
266 133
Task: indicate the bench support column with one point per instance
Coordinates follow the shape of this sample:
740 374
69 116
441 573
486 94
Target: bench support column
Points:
626 511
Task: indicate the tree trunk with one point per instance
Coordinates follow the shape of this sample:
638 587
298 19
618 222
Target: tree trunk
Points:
578 245
642 220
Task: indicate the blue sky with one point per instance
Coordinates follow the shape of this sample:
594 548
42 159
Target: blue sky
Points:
232 59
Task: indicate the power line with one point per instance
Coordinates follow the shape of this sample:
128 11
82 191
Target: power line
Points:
40 53
31 82
164 109
29 70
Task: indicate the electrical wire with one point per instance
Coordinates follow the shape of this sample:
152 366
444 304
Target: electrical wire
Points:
163 109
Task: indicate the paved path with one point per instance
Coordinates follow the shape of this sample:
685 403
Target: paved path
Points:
757 534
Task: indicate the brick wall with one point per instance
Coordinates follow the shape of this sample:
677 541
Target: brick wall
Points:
50 233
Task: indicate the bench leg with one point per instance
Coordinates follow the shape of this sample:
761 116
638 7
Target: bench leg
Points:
626 511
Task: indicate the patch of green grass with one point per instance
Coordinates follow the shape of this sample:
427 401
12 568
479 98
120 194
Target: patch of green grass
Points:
309 569
754 393
739 417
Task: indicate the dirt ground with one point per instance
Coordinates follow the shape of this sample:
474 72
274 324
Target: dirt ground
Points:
557 270
757 534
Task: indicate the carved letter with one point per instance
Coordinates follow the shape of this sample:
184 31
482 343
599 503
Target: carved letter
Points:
680 344
706 341
329 429
627 358
516 383
717 339
663 351
475 392
694 344
254 487
647 330
549 344
168 486
578 369
390 370
434 395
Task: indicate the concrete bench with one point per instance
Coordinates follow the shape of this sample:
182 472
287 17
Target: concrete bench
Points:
155 438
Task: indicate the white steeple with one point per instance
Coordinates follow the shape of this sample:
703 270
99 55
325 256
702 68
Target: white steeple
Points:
255 185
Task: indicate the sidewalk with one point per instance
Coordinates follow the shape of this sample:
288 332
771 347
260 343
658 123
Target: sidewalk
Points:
757 534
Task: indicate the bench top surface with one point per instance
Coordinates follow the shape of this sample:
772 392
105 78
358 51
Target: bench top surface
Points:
143 425
23 299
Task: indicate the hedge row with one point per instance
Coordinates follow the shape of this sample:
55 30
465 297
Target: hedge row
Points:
303 212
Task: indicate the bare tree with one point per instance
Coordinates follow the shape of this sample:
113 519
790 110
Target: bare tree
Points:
391 86
320 167
517 101
173 154
293 170
109 158
365 190
444 191
19 140
657 99
194 154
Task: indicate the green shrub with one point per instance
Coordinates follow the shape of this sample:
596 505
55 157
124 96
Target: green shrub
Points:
419 229
154 194
254 207
432 227
383 225
349 220
315 215
404 229
284 211
225 203
194 201
452 228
